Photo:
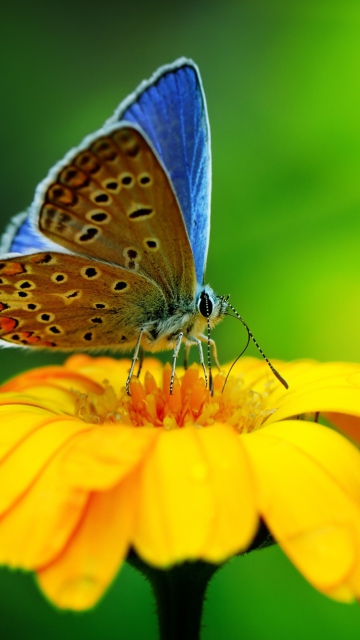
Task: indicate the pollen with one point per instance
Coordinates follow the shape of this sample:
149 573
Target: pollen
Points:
190 404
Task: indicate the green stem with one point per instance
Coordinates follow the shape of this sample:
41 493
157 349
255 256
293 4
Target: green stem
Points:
179 593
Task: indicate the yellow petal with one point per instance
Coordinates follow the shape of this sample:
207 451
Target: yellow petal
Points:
183 512
36 529
59 377
327 388
81 574
308 492
53 399
103 456
30 455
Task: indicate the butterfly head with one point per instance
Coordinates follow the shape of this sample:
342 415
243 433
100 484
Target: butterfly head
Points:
211 307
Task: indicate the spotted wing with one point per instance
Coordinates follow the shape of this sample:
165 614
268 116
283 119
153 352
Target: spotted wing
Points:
66 301
21 237
113 200
171 109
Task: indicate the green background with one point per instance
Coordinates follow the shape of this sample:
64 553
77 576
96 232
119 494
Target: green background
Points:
282 83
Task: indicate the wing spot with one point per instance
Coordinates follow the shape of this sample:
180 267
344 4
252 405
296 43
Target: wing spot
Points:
88 162
59 194
101 197
90 273
54 219
59 278
128 142
123 136
87 234
152 244
26 284
8 324
54 329
96 320
98 216
145 179
132 150
4 306
33 307
71 294
23 294
111 185
127 179
132 258
105 149
45 317
74 178
43 258
131 253
12 268
120 285
100 305
141 214
88 336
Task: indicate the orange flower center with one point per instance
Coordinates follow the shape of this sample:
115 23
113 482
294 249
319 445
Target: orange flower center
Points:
190 403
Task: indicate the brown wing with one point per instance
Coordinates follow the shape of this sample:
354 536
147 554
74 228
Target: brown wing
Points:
70 302
113 201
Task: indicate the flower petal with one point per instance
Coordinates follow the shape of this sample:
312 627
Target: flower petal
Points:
183 511
103 456
39 525
309 496
56 400
55 376
333 387
30 454
81 574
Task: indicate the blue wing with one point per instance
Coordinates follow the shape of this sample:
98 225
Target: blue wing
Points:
20 237
171 109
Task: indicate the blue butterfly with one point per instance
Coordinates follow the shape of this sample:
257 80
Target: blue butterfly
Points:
113 250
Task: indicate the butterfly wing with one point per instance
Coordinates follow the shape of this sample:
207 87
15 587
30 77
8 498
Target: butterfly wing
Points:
21 237
112 200
69 302
171 109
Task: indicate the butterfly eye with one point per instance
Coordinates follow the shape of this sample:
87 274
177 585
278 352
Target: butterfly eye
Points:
205 304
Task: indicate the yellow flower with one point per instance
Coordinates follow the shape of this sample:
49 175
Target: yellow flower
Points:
88 472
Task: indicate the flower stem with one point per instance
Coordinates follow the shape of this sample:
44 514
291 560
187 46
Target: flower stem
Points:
179 593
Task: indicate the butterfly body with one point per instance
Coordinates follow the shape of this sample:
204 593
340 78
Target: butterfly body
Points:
113 250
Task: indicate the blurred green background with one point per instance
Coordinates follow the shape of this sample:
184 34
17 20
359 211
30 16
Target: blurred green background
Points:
282 84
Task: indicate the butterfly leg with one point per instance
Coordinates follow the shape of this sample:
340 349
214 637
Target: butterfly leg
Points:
141 361
133 362
186 356
213 349
175 355
201 355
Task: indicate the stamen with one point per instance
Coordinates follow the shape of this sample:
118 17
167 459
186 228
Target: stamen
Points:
191 403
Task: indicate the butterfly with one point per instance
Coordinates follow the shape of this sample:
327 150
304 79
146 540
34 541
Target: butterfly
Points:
112 252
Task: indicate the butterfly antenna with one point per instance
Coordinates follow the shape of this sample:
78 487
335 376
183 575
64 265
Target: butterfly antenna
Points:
208 349
250 336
